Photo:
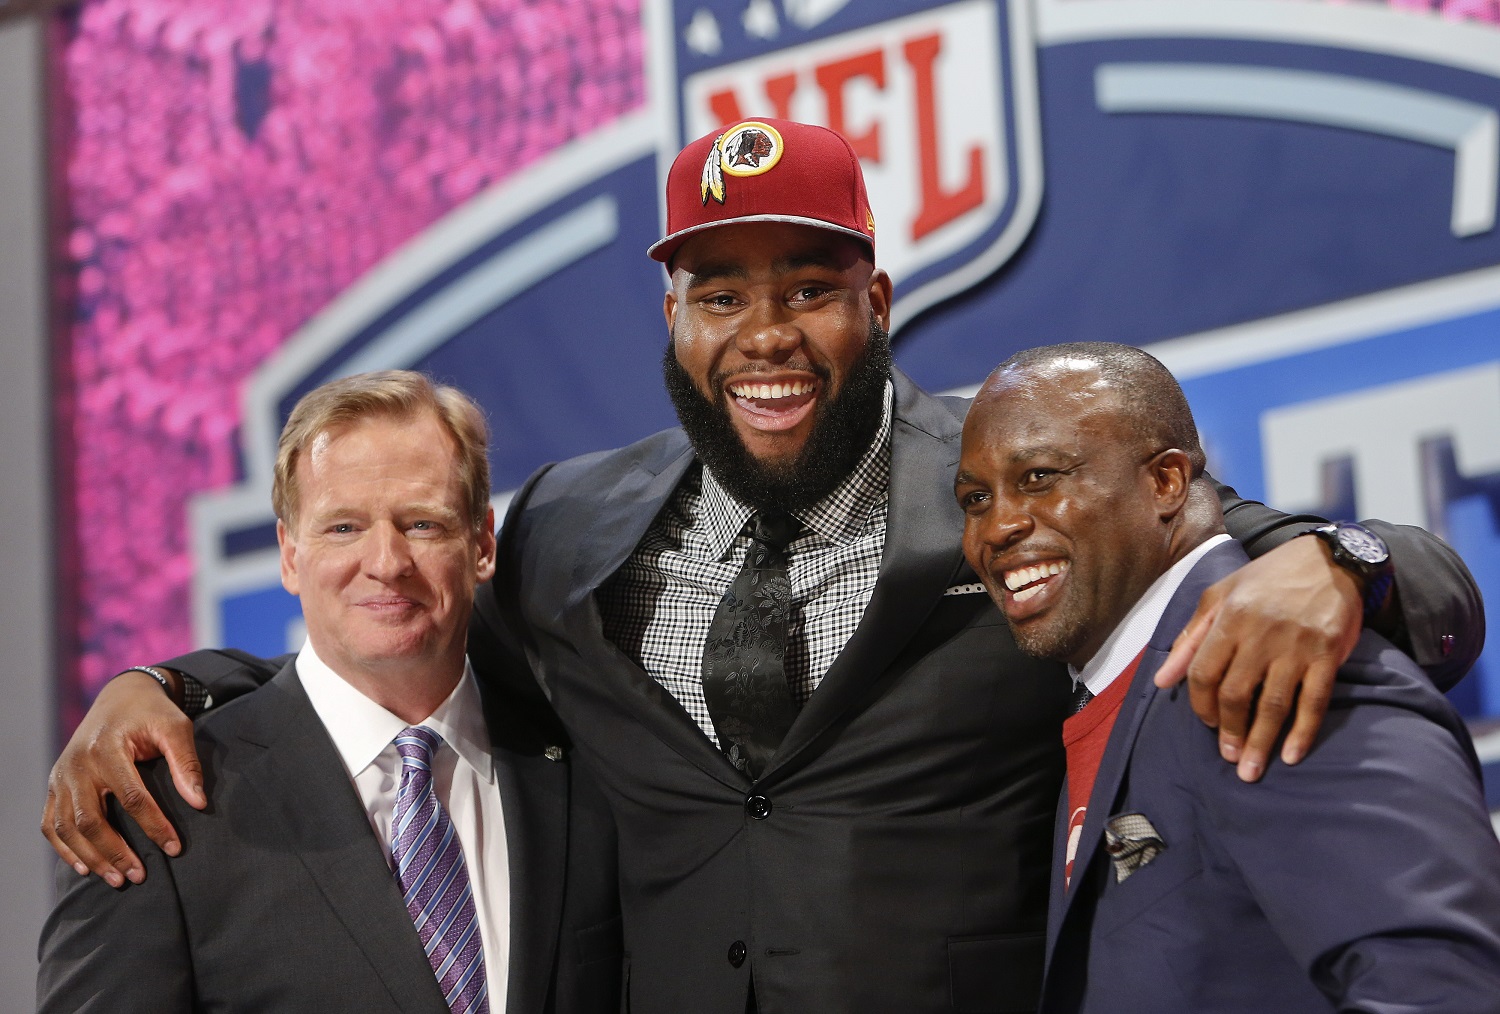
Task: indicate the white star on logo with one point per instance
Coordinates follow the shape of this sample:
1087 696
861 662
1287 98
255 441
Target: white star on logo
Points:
702 33
808 13
760 20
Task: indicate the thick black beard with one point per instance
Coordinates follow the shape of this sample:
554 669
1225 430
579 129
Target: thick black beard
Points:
842 431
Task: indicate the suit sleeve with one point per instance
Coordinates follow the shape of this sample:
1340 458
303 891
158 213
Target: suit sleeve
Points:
227 673
500 648
116 952
1440 620
1373 859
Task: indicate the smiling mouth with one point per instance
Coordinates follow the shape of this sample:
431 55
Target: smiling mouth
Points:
773 405
1028 589
389 606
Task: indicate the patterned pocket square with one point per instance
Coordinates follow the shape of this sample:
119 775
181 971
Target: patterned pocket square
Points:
1131 842
973 588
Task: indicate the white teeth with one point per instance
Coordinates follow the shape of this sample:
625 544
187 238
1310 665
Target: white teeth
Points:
770 392
1026 593
1017 579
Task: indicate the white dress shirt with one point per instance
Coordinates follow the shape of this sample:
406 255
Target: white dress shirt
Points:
1134 631
463 776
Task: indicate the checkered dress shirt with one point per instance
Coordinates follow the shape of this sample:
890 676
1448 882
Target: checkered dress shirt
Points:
658 607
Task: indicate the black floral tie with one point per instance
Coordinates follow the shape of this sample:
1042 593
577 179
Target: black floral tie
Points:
744 659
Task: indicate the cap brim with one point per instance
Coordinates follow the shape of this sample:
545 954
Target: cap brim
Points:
663 249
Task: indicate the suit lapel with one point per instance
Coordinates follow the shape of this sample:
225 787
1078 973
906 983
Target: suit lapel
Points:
1218 562
308 794
923 552
1112 769
534 796
626 513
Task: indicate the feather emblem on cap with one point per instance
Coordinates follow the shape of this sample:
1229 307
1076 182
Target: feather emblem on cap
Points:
713 173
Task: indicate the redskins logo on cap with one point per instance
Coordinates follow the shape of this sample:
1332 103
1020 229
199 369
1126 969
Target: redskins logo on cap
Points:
750 149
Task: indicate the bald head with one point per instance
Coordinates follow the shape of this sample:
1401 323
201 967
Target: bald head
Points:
1149 400
1078 469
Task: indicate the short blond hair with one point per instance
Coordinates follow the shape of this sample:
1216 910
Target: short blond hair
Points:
394 394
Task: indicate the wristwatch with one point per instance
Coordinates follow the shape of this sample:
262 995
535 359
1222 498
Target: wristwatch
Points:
1365 555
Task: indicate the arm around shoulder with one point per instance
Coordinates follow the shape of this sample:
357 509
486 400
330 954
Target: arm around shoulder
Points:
1437 603
1438 616
226 673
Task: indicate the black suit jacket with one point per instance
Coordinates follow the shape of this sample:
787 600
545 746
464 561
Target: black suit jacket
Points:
903 863
1365 878
282 901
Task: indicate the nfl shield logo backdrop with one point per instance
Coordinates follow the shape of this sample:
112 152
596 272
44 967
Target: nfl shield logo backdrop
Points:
940 104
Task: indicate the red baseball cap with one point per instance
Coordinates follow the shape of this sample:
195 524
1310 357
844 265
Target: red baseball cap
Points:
766 171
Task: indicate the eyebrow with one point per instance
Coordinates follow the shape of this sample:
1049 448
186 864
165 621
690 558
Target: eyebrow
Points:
715 270
811 259
1021 454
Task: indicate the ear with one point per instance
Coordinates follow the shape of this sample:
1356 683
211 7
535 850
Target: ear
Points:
669 308
1171 473
880 297
486 541
288 547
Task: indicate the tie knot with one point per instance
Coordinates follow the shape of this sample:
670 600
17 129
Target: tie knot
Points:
776 528
416 744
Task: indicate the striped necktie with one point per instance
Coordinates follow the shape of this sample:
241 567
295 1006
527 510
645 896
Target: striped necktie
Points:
434 880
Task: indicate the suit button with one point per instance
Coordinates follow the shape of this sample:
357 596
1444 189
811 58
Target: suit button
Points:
737 953
758 807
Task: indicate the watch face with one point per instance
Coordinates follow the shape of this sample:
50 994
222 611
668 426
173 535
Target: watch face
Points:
1363 544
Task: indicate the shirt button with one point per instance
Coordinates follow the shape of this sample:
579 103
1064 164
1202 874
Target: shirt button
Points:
737 953
758 807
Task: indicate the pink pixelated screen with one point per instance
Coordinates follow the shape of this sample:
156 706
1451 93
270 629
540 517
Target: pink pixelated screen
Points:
231 166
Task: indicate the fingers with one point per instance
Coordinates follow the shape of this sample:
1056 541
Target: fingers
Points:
1175 667
131 720
141 807
58 845
1312 706
1287 617
1277 696
78 830
1207 673
187 772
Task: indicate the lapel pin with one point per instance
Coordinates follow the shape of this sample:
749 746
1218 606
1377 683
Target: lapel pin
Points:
553 753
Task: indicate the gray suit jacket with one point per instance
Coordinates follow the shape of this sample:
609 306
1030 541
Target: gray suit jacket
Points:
282 901
1366 878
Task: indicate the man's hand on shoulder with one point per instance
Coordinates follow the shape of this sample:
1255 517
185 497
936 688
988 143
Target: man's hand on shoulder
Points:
131 720
1265 641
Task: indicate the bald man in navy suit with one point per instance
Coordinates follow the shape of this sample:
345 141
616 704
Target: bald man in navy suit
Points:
1366 878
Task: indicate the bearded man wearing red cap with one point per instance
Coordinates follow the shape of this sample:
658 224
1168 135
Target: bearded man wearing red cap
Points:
832 771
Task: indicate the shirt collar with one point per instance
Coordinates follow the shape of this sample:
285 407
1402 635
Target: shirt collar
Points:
361 729
1134 632
840 517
